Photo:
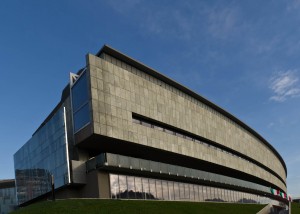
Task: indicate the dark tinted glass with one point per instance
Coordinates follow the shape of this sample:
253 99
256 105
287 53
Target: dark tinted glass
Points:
80 92
42 156
82 117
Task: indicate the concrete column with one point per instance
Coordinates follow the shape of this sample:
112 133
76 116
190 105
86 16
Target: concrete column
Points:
104 185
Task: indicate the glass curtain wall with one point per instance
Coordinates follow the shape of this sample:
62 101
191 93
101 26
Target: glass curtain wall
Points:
132 187
42 156
8 202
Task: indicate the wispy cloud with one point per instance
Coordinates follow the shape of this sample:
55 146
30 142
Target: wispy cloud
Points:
184 20
223 22
284 85
293 5
124 6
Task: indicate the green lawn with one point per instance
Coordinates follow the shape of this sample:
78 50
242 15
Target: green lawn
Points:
74 206
295 208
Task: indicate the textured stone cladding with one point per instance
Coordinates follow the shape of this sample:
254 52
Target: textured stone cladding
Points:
118 89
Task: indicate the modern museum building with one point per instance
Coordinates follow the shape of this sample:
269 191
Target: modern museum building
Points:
124 130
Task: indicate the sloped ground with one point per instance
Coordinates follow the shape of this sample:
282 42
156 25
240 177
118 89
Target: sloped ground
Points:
74 206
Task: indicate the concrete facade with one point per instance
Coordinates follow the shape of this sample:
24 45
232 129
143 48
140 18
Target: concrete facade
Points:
118 89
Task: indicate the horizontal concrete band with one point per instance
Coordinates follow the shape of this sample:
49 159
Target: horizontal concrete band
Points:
126 164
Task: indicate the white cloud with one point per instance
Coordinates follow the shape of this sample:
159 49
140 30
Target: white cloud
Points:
284 85
223 22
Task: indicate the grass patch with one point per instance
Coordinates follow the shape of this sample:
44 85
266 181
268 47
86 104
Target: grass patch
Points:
74 206
295 208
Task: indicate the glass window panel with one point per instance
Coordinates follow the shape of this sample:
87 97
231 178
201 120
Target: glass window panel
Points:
188 138
229 196
146 190
123 186
204 190
212 193
186 191
235 196
192 192
179 135
216 193
196 192
135 163
119 160
165 190
138 188
240 197
201 196
82 117
221 194
79 92
171 190
208 193
136 121
114 185
131 187
232 195
181 191
176 191
154 166
169 131
146 124
152 188
158 189
226 195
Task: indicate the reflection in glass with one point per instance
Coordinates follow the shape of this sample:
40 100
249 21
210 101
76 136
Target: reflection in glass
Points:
208 195
204 193
80 92
81 117
225 198
158 189
42 156
152 188
138 188
131 187
114 185
8 201
192 192
186 191
171 190
196 192
134 187
165 190
145 184
80 105
123 186
200 193
181 191
176 191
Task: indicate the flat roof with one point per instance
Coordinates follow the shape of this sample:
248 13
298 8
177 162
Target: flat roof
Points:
118 55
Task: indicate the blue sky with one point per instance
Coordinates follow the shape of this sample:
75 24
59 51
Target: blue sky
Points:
242 55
